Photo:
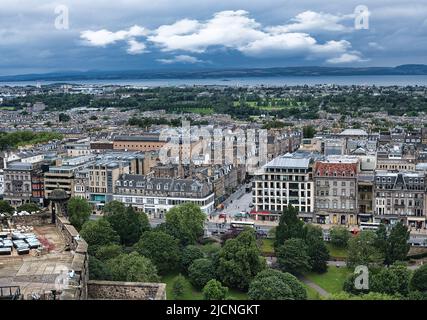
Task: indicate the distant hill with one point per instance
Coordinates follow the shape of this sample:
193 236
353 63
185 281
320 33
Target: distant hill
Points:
409 69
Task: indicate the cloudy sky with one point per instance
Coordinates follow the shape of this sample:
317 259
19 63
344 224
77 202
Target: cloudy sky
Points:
77 35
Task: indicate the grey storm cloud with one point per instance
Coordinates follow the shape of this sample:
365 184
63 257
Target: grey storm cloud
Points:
140 33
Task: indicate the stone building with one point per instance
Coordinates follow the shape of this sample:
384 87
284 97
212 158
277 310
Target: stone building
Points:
401 196
335 181
17 183
155 196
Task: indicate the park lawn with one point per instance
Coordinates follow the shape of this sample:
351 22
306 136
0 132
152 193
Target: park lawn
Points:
311 293
332 281
335 252
7 108
192 293
267 246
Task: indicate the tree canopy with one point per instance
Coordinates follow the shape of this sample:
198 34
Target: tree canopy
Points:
200 272
362 250
290 226
271 284
98 233
185 222
29 207
340 236
293 257
128 224
162 249
419 279
214 290
189 254
5 207
239 260
132 267
79 211
397 246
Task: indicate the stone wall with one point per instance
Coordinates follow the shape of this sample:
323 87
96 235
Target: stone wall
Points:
80 263
116 290
37 219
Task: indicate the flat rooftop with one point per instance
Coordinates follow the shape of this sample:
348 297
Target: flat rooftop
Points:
37 274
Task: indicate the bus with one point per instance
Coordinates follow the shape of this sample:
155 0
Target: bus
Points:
236 225
369 226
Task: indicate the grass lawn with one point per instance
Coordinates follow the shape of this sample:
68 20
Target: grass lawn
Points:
201 111
192 293
335 252
311 293
267 246
332 281
280 104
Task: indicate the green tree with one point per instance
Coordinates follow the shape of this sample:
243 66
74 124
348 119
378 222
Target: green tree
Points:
290 226
98 233
162 249
64 117
98 269
79 211
132 267
417 295
419 280
270 288
340 236
318 255
362 250
312 233
5 207
393 280
283 280
178 287
108 252
292 256
200 272
128 224
29 207
381 239
185 222
189 254
214 290
239 260
397 244
308 132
